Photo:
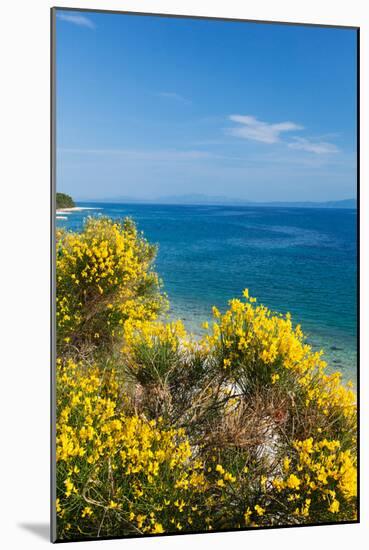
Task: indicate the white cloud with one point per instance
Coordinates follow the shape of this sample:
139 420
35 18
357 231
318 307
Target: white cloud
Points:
175 96
253 129
80 20
318 147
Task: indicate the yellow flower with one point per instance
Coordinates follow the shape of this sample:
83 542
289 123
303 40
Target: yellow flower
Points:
87 511
247 515
334 507
263 481
229 477
158 528
226 363
286 464
293 482
69 487
180 504
216 312
259 510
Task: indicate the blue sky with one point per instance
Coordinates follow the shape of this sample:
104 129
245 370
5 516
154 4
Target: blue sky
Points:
150 107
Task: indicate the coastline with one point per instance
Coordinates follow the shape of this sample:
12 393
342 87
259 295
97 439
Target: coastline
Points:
60 212
77 209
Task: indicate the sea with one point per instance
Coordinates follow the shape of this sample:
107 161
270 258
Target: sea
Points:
297 260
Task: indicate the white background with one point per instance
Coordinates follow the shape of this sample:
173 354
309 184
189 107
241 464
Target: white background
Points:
24 268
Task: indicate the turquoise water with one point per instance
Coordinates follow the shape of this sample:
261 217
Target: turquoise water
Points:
292 259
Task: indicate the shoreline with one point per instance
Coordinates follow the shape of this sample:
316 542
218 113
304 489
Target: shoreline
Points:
62 213
77 209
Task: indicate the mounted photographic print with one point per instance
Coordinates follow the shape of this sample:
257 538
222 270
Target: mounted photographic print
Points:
205 275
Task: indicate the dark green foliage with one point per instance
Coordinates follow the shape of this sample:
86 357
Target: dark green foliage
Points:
64 201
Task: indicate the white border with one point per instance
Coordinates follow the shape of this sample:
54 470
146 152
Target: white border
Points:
24 266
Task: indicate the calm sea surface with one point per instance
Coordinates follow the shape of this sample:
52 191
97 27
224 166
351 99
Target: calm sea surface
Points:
292 259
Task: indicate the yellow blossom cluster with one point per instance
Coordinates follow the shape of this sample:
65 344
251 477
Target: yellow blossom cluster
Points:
104 276
253 334
254 344
321 479
152 335
136 473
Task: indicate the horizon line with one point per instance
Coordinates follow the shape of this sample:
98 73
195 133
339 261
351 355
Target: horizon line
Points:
175 201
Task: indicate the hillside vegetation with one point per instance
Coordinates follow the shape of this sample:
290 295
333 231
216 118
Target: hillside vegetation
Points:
158 432
64 201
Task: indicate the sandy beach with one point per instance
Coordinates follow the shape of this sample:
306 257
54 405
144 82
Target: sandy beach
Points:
62 213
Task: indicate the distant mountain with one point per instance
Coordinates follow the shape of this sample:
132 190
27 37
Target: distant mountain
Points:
199 199
345 203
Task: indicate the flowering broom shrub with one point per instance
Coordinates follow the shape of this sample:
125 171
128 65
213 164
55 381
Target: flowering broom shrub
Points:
104 276
119 473
252 395
244 427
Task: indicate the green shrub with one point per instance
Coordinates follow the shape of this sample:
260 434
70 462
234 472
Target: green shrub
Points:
64 201
104 276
